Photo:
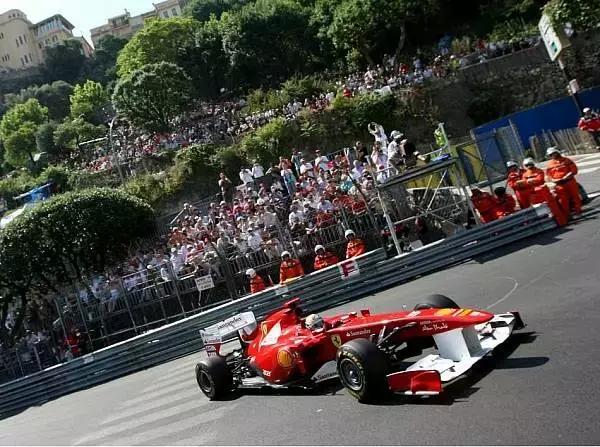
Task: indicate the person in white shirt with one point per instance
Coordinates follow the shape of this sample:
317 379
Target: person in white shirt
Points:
246 176
295 213
358 170
306 168
257 170
324 205
321 162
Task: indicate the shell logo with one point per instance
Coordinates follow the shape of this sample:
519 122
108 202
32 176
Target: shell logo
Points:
285 359
444 312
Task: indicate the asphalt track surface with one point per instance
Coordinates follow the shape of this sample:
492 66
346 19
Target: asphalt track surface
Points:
541 389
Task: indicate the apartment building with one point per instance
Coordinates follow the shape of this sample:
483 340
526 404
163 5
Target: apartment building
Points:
126 26
22 43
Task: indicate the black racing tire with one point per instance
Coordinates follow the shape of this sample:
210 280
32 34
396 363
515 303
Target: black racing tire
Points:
214 377
437 301
363 369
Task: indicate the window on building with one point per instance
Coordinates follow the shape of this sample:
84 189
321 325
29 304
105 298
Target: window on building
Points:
26 59
17 40
25 37
54 38
166 14
1 35
47 41
21 40
22 61
174 12
40 45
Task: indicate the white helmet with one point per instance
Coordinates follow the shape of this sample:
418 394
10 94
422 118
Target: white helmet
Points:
552 150
251 273
319 247
349 233
587 110
528 161
285 253
314 322
511 164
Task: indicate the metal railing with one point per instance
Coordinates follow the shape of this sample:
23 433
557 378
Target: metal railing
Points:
327 288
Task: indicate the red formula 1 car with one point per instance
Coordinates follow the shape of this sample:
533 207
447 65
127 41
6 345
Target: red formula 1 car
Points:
362 349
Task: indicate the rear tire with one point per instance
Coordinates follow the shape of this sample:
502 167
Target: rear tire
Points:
437 301
363 369
214 377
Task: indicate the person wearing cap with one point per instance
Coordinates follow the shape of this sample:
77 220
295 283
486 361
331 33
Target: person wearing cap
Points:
257 284
517 184
485 204
290 268
590 122
562 171
355 247
324 258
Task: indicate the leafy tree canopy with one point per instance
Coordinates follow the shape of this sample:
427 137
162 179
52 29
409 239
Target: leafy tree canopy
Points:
88 100
18 129
202 10
54 96
161 40
64 61
153 96
68 238
584 15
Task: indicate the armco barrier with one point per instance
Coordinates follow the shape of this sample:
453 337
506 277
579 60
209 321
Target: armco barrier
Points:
335 285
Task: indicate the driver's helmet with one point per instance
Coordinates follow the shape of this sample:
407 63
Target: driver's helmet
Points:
314 322
248 333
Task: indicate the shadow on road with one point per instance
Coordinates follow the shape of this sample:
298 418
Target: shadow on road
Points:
464 387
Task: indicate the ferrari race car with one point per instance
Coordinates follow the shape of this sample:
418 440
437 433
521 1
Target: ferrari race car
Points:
364 350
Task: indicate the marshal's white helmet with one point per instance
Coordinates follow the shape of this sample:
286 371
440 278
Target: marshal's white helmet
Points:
511 164
349 233
587 110
528 161
319 247
251 273
552 150
285 253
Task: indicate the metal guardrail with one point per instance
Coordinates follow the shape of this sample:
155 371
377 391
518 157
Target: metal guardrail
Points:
330 287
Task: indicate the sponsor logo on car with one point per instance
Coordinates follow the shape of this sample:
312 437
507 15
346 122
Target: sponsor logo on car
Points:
336 340
357 333
434 327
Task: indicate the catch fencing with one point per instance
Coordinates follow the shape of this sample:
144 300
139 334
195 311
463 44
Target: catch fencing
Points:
345 282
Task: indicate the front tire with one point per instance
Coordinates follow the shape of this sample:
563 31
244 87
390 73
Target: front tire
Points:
214 377
362 369
437 301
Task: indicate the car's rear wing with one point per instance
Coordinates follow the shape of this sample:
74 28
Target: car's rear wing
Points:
214 336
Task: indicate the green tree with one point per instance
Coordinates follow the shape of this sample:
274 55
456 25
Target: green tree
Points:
202 10
68 135
269 41
584 15
160 40
18 129
68 238
367 27
54 96
64 61
88 101
45 141
153 96
101 66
